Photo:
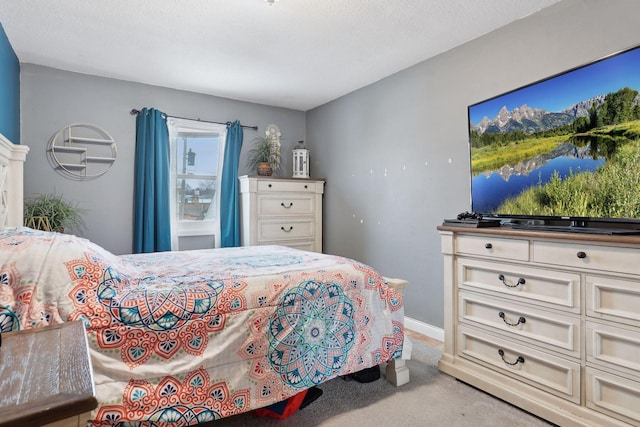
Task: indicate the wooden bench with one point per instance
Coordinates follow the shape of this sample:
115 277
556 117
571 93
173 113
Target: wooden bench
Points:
46 377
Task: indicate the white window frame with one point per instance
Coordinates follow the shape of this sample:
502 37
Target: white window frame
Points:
202 227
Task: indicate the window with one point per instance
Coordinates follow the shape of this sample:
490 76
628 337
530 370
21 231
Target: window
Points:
197 150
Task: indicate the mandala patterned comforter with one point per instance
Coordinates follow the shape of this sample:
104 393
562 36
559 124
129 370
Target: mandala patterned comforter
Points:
182 338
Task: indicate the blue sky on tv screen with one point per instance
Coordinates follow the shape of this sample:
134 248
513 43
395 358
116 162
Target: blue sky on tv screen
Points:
558 93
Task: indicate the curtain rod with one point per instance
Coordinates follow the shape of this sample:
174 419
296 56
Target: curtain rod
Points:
135 112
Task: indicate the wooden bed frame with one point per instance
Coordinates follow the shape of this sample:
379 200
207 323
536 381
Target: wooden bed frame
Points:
12 159
397 372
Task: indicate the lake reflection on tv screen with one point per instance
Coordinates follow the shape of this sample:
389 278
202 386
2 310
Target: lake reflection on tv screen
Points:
491 189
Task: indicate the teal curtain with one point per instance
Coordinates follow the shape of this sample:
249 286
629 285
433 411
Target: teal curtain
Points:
229 205
151 205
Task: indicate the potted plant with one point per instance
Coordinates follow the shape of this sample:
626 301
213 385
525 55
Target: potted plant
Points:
264 157
51 212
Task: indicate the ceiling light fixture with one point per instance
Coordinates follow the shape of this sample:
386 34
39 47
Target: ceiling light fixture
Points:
271 2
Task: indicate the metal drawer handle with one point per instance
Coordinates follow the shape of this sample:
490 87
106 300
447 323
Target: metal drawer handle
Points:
285 206
521 281
520 359
581 255
488 245
520 320
285 230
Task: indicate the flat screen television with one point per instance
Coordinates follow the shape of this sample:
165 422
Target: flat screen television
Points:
563 151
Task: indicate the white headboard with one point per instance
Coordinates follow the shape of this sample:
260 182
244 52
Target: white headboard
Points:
12 159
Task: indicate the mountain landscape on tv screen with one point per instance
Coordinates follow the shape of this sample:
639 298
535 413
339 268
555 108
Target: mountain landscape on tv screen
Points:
578 162
530 120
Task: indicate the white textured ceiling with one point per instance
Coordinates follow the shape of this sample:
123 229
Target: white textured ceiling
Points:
295 54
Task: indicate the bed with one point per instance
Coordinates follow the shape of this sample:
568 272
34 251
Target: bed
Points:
181 338
194 336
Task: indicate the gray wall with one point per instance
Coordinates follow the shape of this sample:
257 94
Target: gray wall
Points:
395 153
52 99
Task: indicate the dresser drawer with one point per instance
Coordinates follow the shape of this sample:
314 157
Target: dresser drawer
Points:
613 395
541 328
613 299
493 247
613 347
303 245
534 285
285 204
271 186
587 256
281 230
555 375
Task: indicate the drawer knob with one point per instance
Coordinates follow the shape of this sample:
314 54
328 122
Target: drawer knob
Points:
285 230
306 186
521 281
488 245
581 255
520 320
270 185
520 359
285 206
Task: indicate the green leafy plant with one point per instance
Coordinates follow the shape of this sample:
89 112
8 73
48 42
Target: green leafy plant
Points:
265 150
59 212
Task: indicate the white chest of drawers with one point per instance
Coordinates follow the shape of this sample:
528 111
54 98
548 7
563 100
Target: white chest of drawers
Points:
281 211
549 322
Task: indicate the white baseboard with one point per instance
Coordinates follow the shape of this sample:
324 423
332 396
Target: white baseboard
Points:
424 328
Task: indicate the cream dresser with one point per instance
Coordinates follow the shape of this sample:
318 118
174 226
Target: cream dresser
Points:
281 211
549 322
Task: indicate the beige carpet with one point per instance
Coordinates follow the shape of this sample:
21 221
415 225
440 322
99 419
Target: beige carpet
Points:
430 399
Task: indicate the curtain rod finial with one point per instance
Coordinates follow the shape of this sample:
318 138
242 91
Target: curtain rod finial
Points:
134 112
